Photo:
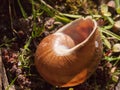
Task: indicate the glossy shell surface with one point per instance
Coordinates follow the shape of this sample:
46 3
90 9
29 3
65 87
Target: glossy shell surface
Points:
62 66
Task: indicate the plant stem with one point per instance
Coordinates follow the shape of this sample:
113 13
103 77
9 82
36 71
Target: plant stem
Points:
22 10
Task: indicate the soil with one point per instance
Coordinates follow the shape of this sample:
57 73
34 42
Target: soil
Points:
12 43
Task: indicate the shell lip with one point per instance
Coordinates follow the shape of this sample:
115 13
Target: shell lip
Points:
84 41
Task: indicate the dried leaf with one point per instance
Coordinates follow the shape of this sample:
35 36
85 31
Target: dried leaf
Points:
104 10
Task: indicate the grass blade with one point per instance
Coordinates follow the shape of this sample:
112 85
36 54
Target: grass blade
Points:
110 33
22 10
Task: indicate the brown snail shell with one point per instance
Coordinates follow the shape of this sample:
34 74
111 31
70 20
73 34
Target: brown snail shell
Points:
70 55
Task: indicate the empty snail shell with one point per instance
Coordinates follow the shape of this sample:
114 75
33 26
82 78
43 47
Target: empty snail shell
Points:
70 55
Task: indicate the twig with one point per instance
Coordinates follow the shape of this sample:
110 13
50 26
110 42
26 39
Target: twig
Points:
11 18
43 2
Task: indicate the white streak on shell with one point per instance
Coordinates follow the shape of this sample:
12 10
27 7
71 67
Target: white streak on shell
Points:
60 49
96 44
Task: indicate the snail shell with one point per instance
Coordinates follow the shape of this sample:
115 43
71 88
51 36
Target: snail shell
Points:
70 55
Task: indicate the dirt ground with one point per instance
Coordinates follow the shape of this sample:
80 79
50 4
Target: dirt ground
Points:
15 32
